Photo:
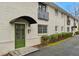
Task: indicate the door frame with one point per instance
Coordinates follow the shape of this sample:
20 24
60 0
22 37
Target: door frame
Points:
14 32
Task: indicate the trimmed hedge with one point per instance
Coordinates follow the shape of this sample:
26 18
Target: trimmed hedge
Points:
44 40
66 35
77 33
54 37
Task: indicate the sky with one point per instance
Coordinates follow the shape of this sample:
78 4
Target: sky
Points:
67 5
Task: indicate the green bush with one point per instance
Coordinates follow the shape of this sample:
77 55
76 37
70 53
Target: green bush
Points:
44 40
59 36
66 35
77 33
54 37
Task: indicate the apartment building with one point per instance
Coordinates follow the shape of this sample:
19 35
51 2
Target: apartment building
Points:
26 22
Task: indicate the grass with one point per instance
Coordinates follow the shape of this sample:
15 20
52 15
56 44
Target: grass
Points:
19 43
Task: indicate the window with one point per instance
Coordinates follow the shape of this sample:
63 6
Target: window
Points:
19 31
39 28
74 23
56 11
71 29
68 29
42 28
42 7
56 28
68 21
42 12
61 28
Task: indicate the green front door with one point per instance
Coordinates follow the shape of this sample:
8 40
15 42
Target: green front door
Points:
19 35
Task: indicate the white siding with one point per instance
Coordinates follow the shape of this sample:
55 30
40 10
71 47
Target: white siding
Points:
10 11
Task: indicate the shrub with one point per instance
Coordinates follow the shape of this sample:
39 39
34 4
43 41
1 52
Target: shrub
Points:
69 34
44 40
50 40
59 36
54 37
77 33
66 35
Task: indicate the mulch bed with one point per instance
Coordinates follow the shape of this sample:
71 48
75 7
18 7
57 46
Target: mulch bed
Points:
39 46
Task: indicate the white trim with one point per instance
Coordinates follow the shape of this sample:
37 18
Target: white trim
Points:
20 23
2 42
40 34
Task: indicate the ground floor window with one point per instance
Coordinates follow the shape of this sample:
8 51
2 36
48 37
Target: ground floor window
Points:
42 28
71 29
61 28
68 29
56 28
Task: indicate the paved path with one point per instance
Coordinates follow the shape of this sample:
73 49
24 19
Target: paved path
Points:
69 47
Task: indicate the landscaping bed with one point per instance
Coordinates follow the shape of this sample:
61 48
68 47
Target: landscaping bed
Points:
46 40
77 33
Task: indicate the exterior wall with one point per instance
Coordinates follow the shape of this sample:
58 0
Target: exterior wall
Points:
56 20
10 11
51 21
59 20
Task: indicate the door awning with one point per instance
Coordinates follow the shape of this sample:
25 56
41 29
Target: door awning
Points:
27 18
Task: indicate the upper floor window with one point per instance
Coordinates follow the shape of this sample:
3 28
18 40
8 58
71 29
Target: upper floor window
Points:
42 11
42 28
42 7
56 12
68 20
74 23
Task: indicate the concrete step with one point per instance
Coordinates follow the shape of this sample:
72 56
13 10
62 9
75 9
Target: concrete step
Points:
22 51
2 53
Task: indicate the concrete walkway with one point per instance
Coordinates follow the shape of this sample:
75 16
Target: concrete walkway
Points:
22 51
69 47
